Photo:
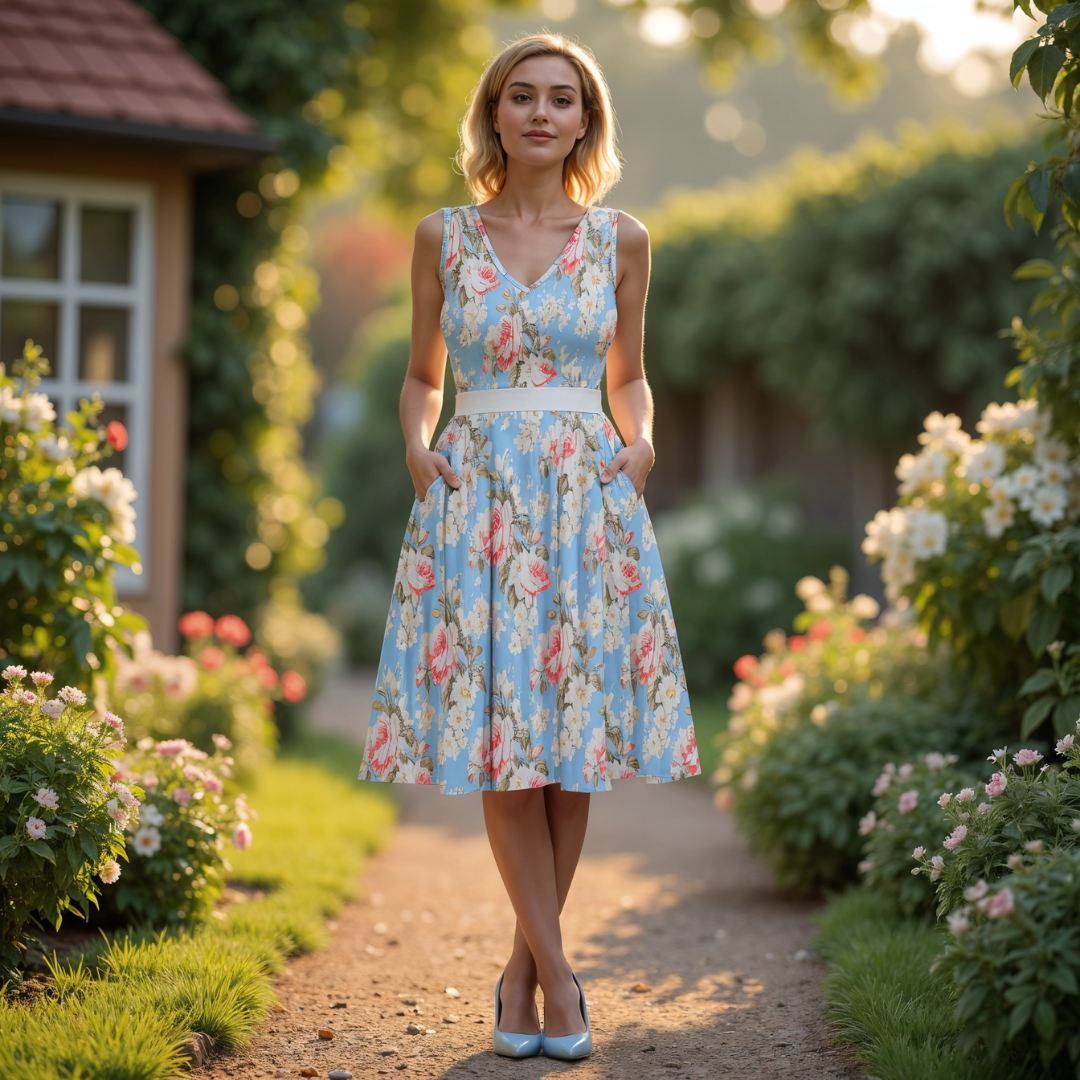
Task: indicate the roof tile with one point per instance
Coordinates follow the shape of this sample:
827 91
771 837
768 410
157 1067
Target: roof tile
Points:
106 57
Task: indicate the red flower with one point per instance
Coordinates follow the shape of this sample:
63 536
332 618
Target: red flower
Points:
745 666
117 435
233 630
256 657
211 658
821 629
196 624
267 676
857 635
796 643
293 686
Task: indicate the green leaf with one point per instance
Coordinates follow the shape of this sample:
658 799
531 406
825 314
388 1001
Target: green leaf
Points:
1043 68
1036 714
1056 580
88 845
1063 12
1045 1020
1039 186
1012 198
1065 715
1042 628
1015 612
39 847
1035 268
1042 680
1020 60
7 845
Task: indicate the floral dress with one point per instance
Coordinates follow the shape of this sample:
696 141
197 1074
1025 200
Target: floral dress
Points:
530 639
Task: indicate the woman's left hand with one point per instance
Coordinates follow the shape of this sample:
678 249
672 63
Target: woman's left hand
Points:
635 460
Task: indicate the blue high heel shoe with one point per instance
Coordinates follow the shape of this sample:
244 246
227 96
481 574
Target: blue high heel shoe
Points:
511 1044
571 1047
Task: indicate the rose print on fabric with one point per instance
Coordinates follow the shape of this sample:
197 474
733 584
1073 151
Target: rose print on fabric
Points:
530 638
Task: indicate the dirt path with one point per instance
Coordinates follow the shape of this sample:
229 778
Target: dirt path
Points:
666 898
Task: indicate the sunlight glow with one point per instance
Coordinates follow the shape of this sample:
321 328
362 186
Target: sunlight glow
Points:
664 26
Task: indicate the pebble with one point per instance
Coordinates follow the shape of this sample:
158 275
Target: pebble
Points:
640 988
339 1074
720 935
451 1019
803 954
453 992
389 1051
414 1029
326 1033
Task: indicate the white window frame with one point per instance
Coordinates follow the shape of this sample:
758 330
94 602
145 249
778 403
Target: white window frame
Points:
64 386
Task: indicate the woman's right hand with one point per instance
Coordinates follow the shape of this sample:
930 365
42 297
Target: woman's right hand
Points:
425 466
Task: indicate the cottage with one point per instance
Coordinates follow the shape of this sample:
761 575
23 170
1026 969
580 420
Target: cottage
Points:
104 122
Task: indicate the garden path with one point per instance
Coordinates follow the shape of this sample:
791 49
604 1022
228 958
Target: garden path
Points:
694 963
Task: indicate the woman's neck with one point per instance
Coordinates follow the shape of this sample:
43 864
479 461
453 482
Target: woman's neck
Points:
532 194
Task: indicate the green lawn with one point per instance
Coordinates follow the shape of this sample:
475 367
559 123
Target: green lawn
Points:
122 1010
710 719
884 999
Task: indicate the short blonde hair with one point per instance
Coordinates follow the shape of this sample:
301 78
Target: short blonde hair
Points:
591 169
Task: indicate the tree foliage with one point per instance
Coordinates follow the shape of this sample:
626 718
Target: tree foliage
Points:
867 288
347 89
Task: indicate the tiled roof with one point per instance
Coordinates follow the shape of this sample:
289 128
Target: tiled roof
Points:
106 59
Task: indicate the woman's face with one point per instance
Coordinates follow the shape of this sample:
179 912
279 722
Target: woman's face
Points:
539 115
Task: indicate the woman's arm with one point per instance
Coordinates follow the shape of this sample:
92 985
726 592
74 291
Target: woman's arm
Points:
422 394
629 395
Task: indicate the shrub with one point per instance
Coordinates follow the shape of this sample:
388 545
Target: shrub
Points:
61 816
1016 963
226 687
731 563
907 817
176 854
64 523
1024 810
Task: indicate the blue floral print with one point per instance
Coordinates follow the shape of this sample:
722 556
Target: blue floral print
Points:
530 639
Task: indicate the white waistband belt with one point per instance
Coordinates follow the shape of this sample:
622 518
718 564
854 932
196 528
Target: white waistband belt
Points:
529 399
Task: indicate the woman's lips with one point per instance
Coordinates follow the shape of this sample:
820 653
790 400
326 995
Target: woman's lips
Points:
539 136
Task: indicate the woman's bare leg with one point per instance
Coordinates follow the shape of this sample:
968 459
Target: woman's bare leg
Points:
536 837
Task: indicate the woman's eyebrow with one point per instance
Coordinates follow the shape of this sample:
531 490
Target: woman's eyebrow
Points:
531 86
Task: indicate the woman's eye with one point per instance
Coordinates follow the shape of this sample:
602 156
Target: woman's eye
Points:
563 101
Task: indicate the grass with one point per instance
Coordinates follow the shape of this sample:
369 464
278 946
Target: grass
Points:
710 719
123 1009
883 998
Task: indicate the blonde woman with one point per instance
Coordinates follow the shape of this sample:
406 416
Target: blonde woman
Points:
530 651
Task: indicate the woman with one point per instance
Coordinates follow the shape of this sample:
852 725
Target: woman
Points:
530 651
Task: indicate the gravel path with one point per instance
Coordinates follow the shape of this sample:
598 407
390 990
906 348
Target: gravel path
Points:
693 962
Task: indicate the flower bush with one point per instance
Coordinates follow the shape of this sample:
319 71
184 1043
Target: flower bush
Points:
731 563
907 817
64 523
1028 806
62 814
1016 963
227 687
176 849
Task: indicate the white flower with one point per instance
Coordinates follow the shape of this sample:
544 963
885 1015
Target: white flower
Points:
37 411
146 841
115 492
55 448
983 461
72 696
53 709
123 793
929 531
110 872
13 672
867 824
118 813
149 814
241 836
915 471
1047 503
10 406
864 607
919 852
944 432
47 797
808 587
999 515
41 678
958 922
1051 451
36 828
1021 484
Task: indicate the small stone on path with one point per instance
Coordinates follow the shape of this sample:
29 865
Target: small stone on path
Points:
453 992
640 988
339 1074
326 1033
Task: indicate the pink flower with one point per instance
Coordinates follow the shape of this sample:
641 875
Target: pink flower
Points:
13 672
1002 905
241 836
36 828
27 697
48 798
1027 757
123 793
919 852
881 784
222 742
293 686
116 435
533 574
197 624
381 751
110 872
820 630
625 575
419 572
867 824
574 256
568 446
232 630
905 770
173 747
182 796
1065 744
478 276
211 658
118 813
908 801
503 342
442 651
41 678
966 795
998 782
497 748
955 838
983 807
72 696
686 751
453 242
745 666
559 652
647 652
945 799
976 892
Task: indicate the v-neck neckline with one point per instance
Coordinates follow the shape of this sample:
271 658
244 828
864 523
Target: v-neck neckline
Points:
490 248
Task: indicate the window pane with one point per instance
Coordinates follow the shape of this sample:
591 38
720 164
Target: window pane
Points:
107 415
106 245
103 344
22 319
31 245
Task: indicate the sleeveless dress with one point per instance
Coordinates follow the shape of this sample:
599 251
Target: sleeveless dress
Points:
530 639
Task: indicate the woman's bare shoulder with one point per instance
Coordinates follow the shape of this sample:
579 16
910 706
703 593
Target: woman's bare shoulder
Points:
633 236
429 231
